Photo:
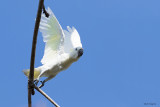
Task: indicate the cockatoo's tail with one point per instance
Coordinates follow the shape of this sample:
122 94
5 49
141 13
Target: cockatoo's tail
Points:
62 47
36 72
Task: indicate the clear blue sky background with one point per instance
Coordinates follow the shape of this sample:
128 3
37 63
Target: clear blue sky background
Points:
121 62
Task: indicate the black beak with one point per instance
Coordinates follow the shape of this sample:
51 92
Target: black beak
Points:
80 52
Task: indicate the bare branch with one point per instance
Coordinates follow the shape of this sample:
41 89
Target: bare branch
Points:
31 75
31 84
44 94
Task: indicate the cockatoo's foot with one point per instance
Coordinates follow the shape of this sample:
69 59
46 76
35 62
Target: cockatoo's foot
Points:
42 84
31 83
31 86
36 81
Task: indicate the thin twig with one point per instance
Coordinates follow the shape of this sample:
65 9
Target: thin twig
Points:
44 94
31 74
45 12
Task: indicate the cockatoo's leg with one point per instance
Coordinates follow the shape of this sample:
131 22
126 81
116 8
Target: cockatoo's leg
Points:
36 81
42 84
50 77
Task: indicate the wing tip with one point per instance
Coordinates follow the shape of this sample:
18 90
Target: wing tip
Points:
71 29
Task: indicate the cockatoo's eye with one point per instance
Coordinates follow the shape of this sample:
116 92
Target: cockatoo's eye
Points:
76 49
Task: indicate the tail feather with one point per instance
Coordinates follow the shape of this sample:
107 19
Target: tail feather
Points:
36 72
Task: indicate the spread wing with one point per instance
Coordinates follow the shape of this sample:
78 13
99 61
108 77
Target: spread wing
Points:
72 39
53 37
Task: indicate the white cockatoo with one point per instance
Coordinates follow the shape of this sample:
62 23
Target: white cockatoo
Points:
62 48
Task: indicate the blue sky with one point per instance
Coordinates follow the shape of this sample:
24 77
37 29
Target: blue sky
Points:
121 62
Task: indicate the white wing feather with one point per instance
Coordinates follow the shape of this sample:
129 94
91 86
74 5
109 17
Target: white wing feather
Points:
72 39
53 36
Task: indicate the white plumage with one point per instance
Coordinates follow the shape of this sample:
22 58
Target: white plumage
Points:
62 47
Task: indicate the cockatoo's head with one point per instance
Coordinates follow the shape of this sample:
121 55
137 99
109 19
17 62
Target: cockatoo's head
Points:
72 43
77 53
